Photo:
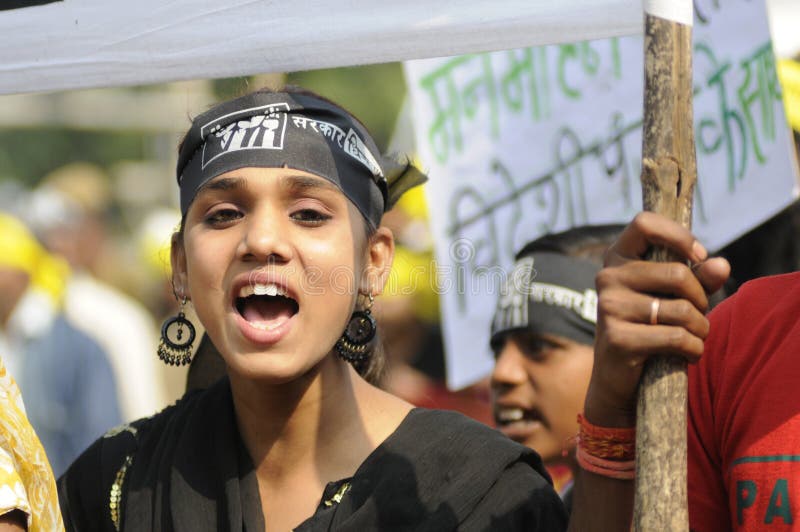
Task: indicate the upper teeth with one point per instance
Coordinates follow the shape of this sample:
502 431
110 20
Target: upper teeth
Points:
510 414
262 289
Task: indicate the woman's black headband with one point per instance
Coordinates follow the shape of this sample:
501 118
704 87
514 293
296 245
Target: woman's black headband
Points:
274 130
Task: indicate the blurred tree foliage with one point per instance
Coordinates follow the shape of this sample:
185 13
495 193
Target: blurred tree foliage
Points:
27 155
373 93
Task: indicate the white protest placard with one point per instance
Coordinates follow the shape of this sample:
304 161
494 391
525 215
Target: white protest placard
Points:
524 142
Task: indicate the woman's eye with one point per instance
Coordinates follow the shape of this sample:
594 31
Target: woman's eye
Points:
222 216
310 216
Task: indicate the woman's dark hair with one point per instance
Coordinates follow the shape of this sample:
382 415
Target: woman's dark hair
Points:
373 370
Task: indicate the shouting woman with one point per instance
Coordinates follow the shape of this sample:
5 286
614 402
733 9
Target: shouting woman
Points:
281 253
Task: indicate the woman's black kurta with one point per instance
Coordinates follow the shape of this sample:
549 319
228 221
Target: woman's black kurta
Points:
186 470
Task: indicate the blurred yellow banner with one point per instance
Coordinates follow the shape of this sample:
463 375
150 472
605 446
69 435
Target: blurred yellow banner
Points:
789 74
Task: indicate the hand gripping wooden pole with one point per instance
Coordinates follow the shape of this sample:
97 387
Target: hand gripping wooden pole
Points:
669 174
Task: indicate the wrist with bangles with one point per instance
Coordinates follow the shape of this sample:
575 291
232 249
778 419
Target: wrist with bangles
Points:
609 452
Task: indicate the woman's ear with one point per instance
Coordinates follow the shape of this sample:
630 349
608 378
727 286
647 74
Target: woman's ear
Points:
380 254
180 284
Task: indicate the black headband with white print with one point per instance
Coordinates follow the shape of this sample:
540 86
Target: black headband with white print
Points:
275 130
548 293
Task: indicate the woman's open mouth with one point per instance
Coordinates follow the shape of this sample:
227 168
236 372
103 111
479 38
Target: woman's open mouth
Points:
267 308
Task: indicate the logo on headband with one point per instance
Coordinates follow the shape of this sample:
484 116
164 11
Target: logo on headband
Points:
354 147
512 307
261 128
264 128
349 142
520 289
583 304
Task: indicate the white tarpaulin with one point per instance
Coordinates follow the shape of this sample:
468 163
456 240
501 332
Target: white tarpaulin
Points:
63 44
523 142
48 45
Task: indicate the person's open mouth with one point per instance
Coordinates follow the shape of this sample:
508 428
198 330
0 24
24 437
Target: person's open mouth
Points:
265 306
265 309
518 423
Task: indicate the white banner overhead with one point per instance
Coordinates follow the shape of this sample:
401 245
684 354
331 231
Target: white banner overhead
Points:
65 44
523 142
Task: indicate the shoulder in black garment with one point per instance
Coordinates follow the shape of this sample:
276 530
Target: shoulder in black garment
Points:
186 469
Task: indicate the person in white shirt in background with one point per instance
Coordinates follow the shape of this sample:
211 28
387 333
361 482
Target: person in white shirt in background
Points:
69 213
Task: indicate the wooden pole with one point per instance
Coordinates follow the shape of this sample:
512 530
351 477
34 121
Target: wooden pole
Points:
669 174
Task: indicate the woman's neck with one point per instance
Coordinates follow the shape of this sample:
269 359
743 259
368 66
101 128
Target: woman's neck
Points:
327 422
308 433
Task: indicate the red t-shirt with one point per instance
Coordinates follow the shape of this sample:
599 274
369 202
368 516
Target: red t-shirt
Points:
744 412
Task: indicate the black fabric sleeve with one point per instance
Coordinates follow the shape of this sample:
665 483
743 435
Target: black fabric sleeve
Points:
81 491
84 491
520 500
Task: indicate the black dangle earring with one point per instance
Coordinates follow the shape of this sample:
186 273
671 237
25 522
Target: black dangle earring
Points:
177 351
354 344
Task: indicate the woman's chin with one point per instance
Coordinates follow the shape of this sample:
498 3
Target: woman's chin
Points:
274 367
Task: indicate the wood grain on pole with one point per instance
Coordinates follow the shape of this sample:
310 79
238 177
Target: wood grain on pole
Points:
669 174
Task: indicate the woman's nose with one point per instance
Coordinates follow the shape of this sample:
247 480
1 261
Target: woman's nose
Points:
266 238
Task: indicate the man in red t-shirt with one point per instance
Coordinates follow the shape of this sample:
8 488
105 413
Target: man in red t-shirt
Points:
744 412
